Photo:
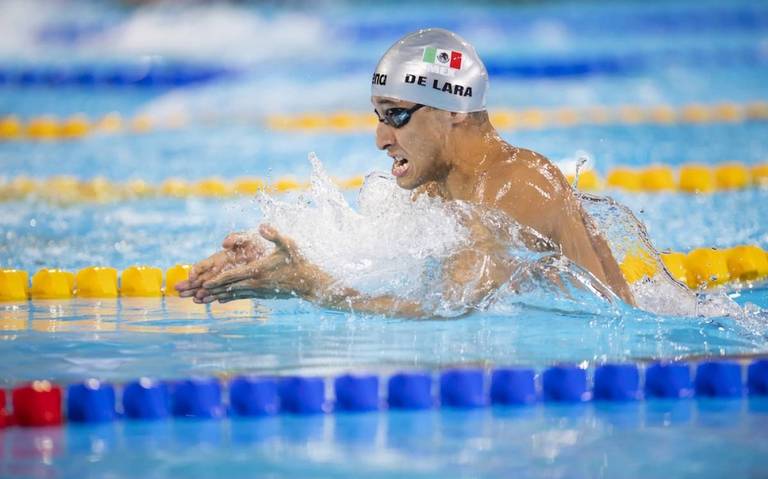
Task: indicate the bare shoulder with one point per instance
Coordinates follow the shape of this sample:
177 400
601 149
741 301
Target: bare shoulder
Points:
524 177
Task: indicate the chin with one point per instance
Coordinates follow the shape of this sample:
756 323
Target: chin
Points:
407 184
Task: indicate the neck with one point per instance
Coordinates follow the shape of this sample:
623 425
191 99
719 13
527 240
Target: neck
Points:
468 152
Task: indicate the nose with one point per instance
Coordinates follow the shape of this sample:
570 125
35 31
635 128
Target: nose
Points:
385 136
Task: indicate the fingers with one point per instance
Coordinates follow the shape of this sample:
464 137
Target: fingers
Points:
183 285
281 242
219 273
210 267
240 290
232 296
231 276
232 287
188 289
246 294
188 293
202 266
200 293
227 296
233 240
188 285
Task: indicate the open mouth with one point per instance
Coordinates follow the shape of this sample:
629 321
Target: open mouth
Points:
400 166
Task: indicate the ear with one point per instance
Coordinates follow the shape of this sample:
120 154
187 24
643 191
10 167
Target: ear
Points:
457 118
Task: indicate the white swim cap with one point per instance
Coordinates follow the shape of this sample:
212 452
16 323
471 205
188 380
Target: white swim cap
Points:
433 67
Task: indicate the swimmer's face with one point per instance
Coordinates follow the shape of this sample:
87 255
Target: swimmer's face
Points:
417 147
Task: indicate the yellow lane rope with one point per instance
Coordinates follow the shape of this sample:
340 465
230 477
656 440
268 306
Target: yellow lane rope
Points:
68 189
690 178
535 118
699 268
51 127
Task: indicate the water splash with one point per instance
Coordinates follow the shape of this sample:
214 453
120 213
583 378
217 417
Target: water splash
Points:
390 244
660 293
395 244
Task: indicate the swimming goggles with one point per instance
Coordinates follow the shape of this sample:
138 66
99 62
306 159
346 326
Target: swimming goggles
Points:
397 117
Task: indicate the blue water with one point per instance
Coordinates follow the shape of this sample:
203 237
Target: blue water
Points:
557 441
318 58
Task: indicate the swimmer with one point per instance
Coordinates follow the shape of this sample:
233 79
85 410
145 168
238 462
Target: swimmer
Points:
428 92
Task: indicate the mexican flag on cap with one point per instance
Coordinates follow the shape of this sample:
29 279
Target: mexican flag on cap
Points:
438 56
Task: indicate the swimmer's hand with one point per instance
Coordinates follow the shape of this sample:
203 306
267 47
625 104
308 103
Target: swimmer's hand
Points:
238 249
284 273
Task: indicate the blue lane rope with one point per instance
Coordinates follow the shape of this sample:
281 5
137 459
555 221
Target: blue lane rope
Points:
463 388
180 75
126 75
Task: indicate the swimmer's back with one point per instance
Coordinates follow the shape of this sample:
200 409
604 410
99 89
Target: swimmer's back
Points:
535 193
528 187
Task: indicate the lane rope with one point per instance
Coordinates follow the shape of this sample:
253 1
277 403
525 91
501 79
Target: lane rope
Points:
53 128
162 75
689 178
539 118
699 268
693 178
44 403
147 74
68 189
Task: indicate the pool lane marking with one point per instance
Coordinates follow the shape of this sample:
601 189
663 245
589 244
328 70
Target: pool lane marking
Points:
538 118
699 268
78 126
45 403
689 178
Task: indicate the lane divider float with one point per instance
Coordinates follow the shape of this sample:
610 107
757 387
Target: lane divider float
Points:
145 74
537 118
44 403
690 178
68 189
51 127
699 268
91 282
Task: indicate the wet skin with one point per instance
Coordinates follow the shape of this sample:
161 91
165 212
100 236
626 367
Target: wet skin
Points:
454 156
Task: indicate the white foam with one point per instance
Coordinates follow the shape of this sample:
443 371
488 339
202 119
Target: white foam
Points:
388 245
393 244
580 160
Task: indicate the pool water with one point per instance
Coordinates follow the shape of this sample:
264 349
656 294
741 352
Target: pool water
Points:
318 58
680 440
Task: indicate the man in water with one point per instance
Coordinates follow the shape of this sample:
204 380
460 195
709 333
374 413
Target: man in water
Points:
428 92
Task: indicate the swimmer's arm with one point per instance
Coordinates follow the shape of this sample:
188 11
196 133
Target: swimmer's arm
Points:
614 276
474 273
351 300
543 200
591 251
286 273
470 277
461 297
